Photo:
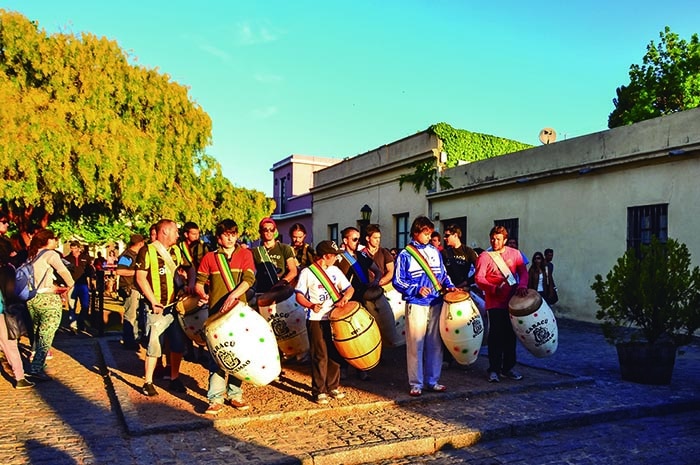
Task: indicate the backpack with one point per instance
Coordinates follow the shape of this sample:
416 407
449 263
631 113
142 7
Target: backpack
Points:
25 282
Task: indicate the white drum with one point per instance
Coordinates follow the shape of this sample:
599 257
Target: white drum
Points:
481 305
243 344
534 323
398 307
287 319
461 327
192 324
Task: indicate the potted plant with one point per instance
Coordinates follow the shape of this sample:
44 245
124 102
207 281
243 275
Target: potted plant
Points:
649 306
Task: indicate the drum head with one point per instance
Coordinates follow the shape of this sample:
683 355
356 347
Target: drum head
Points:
457 296
340 313
522 306
187 304
275 295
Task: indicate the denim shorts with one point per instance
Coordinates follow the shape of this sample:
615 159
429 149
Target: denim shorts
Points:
159 325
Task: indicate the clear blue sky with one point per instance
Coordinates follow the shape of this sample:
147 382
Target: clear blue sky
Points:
336 79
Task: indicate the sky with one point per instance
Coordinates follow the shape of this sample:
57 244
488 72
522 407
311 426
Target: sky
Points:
338 79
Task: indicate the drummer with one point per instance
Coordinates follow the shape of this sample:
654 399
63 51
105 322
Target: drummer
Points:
318 286
275 263
501 273
230 272
421 277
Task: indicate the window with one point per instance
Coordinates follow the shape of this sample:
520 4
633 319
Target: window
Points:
511 224
644 222
283 195
403 231
333 232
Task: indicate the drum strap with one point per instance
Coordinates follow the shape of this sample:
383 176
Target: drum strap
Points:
498 260
325 281
186 253
418 257
356 267
267 263
225 270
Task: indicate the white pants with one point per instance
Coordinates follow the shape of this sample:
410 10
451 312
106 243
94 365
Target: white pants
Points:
423 345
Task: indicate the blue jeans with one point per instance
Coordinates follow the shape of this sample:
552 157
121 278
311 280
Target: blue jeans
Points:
220 382
81 292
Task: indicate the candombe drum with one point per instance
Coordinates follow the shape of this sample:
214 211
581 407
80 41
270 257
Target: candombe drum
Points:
481 305
356 335
192 318
286 318
398 306
461 327
243 344
534 323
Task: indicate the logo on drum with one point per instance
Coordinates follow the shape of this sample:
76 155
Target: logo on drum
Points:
541 335
228 361
477 326
280 328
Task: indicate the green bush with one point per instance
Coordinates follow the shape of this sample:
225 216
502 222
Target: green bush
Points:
652 298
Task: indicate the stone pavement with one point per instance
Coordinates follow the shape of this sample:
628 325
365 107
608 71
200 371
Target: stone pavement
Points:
570 408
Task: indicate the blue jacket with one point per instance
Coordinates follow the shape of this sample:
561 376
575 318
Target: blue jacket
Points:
409 276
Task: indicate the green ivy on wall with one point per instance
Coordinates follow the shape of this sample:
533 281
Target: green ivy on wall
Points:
459 144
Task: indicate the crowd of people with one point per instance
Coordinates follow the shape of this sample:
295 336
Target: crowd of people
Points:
153 275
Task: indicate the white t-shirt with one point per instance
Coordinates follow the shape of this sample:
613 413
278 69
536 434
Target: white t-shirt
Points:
310 287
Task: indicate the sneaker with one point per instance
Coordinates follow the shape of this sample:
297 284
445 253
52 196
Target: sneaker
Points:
49 355
238 404
177 386
438 388
493 377
149 389
322 399
73 326
23 384
512 374
214 409
337 394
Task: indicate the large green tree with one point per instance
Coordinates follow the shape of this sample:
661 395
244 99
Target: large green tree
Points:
87 135
667 81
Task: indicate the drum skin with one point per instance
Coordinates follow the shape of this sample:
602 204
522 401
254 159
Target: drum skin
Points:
243 344
461 327
287 319
187 304
534 324
398 306
356 335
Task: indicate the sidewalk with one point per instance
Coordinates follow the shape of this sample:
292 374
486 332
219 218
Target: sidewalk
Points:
93 411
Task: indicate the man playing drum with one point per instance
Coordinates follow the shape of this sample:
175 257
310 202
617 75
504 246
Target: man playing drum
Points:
156 268
230 272
496 272
318 286
274 261
421 277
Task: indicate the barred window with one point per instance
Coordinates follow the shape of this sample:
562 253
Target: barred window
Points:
333 232
646 221
403 230
511 224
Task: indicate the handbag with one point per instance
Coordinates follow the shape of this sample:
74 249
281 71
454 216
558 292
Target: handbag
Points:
17 321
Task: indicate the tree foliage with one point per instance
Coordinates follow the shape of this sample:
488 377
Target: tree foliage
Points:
89 136
460 145
667 81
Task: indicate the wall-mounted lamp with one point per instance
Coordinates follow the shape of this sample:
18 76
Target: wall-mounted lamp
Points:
676 152
366 212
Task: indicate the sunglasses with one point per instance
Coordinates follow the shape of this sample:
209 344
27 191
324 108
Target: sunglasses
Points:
354 239
447 235
267 230
4 222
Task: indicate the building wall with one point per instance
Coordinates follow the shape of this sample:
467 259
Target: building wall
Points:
573 196
371 178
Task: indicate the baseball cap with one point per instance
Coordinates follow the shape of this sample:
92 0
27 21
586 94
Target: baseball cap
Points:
327 248
267 220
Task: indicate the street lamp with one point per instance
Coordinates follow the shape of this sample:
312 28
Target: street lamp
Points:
366 212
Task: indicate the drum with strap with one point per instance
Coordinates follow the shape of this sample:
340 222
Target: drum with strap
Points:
286 318
243 344
461 326
192 317
398 307
534 323
356 335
